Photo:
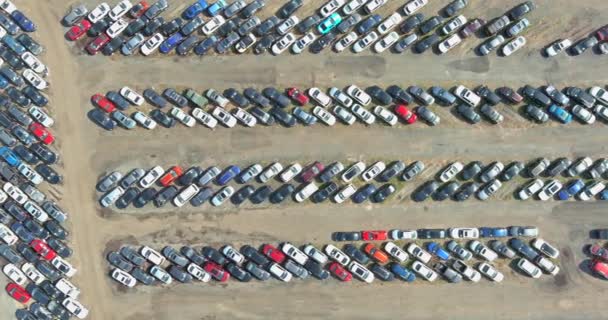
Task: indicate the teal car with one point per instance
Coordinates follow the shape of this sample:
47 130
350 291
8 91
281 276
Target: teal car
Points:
560 113
329 23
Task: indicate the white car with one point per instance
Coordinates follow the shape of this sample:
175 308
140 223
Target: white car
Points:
33 176
224 117
75 308
468 96
152 44
387 116
233 254
600 94
583 114
36 211
34 63
306 192
557 47
287 25
41 117
63 266
353 171
396 252
116 28
315 254
361 272
389 23
547 265
7 235
345 193
284 43
144 120
32 273
204 118
424 271
481 250
336 254
359 95
341 97
489 189
34 79
120 9
160 274
123 278
69 289
324 115
219 99
219 198
213 25
528 268
151 177
372 5
15 193
530 189
99 12
466 271
270 172
280 272
296 254
413 6
152 255
544 247
363 115
451 171
453 24
353 6
403 234
549 190
8 6
303 42
111 197
16 275
419 253
133 97
344 115
320 97
449 43
245 117
185 195
331 7
386 42
513 46
601 111
291 172
490 272
346 41
365 42
245 43
198 273
373 170
464 233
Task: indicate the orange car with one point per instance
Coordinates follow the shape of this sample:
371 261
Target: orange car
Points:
376 253
171 175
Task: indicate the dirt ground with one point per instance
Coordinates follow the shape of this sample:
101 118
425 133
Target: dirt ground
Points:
88 152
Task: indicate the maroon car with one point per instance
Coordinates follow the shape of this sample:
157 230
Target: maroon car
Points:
312 171
602 33
599 251
510 94
472 27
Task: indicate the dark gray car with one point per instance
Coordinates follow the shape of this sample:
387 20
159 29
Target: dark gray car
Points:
393 169
119 261
257 271
254 255
425 191
446 191
202 196
511 171
308 23
142 276
132 255
252 8
154 98
192 255
180 275
413 170
174 256
468 113
175 98
266 26
349 22
443 96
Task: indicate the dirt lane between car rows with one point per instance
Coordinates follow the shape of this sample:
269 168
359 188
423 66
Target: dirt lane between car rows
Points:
87 153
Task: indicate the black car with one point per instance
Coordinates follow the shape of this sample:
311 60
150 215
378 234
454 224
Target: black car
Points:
225 44
411 23
18 97
491 97
446 191
228 27
536 95
119 261
192 255
242 194
154 98
187 45
236 97
399 94
25 154
10 255
363 193
35 95
599 234
213 255
277 97
152 26
162 118
157 8
38 293
36 229
102 119
254 255
289 8
174 97
466 191
381 272
283 117
325 192
190 175
454 6
281 193
425 191
468 113
60 248
346 236
471 170
202 196
21 232
264 44
27 252
142 276
58 311
256 97
165 195
49 174
393 169
305 25
431 233
99 26
379 94
171 27
383 193
316 270
44 153
127 197
56 229
322 42
583 45
368 24
238 273
180 275
30 44
430 24
581 96
348 23
113 46
356 254
260 195
52 275
205 45
120 102
252 8
192 25
15 210
424 44
144 197
511 171
521 10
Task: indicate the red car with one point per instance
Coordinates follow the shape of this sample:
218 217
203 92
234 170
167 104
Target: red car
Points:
273 253
171 175
298 96
216 271
18 293
43 249
405 114
313 170
599 251
374 235
103 103
41 133
94 46
78 30
338 270
602 33
139 9
599 267
375 253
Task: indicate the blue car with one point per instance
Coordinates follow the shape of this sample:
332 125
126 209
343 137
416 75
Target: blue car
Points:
22 233
214 9
171 42
364 193
14 45
604 195
24 23
9 156
195 9
571 189
402 272
3 82
436 249
228 175
489 232
560 113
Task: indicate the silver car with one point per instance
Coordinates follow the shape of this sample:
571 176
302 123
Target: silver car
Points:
208 176
132 177
130 46
109 181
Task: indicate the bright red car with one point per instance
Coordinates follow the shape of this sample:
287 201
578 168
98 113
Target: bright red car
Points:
171 175
405 114
599 267
216 271
298 96
312 171
139 9
103 103
273 253
78 30
94 46
43 249
338 270
41 133
18 293
372 235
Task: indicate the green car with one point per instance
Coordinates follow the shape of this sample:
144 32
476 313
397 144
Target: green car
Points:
329 23
196 98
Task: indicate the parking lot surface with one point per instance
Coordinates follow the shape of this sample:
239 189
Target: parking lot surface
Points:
89 153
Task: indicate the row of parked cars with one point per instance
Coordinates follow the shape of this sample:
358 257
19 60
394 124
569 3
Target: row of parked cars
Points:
599 254
597 39
365 262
